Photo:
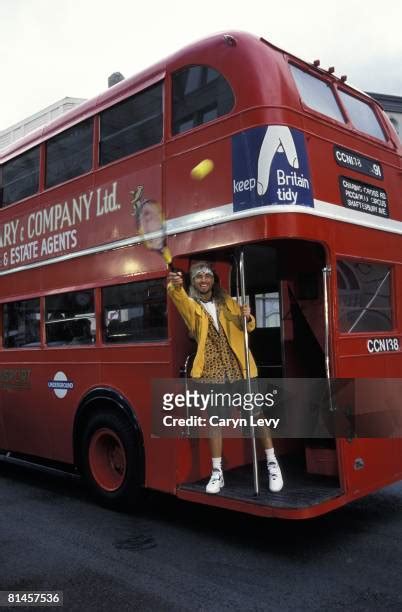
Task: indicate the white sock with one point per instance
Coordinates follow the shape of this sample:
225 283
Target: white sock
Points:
270 453
217 463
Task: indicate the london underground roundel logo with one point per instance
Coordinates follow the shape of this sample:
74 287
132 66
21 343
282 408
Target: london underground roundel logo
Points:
60 385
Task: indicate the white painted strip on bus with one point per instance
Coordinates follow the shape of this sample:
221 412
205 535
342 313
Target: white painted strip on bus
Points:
326 210
224 214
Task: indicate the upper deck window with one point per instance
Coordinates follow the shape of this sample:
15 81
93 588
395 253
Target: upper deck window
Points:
69 154
200 94
20 177
317 94
362 115
132 125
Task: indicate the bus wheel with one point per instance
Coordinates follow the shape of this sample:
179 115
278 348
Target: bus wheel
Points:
111 459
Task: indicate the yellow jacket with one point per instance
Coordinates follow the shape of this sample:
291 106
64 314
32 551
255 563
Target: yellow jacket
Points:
196 319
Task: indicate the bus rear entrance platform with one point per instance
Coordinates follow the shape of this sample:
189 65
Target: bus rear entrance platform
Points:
302 490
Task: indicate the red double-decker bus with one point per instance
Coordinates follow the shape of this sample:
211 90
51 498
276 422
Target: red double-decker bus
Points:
305 183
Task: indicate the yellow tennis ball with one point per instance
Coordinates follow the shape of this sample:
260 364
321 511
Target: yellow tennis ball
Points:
201 170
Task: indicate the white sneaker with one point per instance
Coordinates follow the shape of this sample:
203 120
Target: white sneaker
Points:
275 477
215 482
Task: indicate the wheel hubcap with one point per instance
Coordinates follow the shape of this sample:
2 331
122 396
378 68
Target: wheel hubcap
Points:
107 459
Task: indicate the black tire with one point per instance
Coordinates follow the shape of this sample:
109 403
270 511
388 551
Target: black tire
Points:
112 459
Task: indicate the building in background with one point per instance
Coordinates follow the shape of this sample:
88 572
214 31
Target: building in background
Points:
20 129
393 107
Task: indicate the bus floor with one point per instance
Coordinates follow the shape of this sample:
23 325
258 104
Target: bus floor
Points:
300 489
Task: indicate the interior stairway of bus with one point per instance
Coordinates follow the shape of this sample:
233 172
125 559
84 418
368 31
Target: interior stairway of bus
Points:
300 490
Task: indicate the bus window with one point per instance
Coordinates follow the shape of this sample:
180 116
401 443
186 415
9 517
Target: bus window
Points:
70 318
316 94
362 115
364 293
69 154
200 94
135 312
21 324
267 310
20 177
132 125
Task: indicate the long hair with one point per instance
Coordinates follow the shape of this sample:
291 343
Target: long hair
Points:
218 294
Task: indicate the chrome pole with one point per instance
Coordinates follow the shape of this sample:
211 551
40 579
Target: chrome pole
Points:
326 272
246 352
186 432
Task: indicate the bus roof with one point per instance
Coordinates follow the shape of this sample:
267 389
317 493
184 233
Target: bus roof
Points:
155 73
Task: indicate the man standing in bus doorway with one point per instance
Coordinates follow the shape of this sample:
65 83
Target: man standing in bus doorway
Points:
216 322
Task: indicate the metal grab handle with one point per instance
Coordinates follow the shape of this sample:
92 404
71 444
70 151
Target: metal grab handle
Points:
184 374
184 367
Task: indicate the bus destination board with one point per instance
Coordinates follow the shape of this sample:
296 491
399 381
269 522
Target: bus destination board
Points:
363 197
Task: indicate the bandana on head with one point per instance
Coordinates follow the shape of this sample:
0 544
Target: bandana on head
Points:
202 269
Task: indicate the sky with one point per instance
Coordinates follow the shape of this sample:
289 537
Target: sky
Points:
50 49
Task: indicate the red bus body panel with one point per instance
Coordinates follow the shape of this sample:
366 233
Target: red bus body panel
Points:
33 421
